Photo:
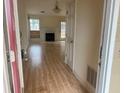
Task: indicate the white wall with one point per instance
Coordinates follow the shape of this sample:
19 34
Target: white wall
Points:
23 24
35 6
87 38
115 75
49 24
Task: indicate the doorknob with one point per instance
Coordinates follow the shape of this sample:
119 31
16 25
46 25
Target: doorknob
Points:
71 41
99 64
8 56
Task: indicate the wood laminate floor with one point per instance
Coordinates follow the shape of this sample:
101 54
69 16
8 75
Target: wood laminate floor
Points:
45 72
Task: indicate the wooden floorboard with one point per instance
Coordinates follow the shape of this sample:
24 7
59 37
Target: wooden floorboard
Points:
45 71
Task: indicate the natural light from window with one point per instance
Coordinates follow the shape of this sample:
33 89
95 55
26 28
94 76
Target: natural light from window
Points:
63 29
34 24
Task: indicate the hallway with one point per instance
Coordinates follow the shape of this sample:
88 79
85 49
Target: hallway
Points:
45 72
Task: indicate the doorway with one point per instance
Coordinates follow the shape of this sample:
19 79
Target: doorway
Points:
70 34
81 53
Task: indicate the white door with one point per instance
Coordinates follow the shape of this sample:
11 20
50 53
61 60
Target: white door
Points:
70 34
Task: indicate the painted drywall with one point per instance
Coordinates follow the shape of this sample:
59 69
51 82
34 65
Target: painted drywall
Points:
87 37
35 6
115 75
23 24
49 24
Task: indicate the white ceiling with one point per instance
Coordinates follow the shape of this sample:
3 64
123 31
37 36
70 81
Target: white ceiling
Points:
35 6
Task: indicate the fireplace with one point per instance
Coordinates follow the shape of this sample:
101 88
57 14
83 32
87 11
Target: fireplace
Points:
50 37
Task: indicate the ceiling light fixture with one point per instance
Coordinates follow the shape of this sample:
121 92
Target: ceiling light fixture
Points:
56 8
42 12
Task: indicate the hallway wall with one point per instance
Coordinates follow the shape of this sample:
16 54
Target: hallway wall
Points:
23 26
115 74
87 38
49 24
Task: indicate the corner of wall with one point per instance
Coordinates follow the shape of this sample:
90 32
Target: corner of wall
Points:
84 84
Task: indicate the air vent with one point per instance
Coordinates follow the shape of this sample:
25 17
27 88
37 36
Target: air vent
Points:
91 76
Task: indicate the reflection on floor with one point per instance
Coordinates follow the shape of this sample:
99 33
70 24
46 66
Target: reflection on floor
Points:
45 72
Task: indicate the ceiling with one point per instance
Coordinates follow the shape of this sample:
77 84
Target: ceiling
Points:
36 6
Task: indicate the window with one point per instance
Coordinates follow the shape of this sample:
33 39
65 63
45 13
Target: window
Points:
63 29
34 24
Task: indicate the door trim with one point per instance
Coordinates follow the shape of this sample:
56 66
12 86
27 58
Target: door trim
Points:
15 6
72 39
6 81
109 26
74 45
11 30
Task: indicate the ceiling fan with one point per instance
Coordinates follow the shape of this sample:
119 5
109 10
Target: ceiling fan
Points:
56 8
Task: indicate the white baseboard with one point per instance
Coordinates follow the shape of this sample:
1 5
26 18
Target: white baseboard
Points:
85 84
22 89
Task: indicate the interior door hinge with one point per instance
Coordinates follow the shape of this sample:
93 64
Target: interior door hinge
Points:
100 57
8 56
101 52
12 56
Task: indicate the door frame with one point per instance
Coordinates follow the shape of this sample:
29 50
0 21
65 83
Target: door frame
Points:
108 35
18 41
14 9
69 40
6 81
